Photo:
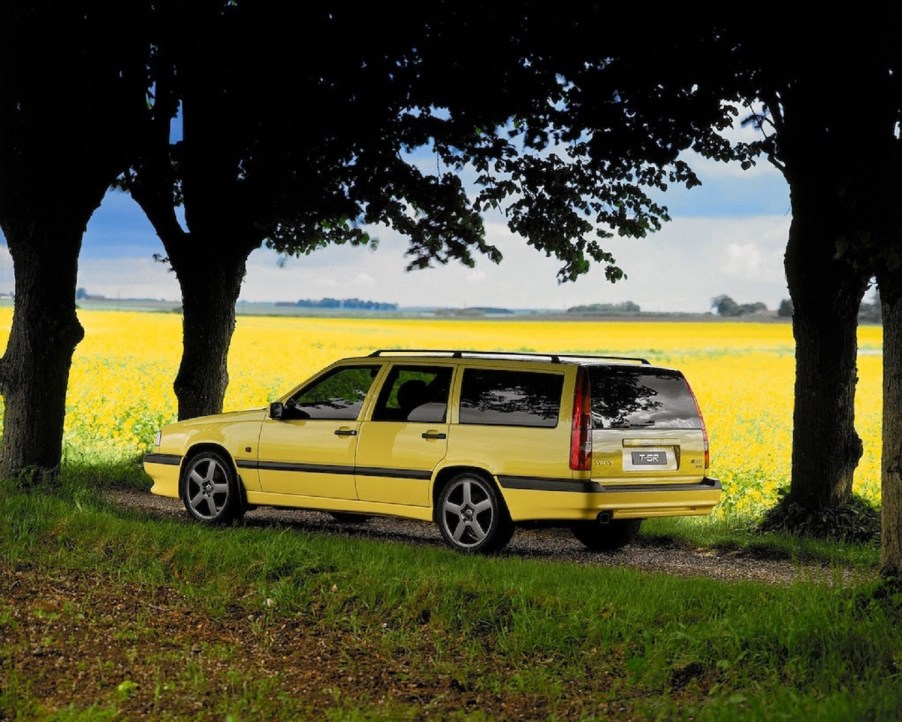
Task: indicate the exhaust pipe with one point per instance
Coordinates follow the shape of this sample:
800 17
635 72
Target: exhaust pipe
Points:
604 517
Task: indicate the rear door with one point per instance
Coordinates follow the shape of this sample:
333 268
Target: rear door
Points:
646 427
406 436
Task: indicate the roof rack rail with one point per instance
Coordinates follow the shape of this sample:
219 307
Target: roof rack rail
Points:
458 353
633 359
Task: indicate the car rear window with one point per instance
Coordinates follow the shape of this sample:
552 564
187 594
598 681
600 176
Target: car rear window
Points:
510 398
628 397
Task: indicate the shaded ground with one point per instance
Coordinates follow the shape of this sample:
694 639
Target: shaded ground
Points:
92 642
71 653
127 651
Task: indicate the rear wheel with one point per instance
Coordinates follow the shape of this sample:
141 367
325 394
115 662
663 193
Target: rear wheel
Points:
472 516
607 537
210 489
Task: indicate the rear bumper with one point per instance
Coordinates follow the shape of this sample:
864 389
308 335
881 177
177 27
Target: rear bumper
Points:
645 501
567 500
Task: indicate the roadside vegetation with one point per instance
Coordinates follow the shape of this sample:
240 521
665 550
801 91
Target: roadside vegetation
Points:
112 614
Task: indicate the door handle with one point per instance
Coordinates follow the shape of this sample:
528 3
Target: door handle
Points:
346 432
434 435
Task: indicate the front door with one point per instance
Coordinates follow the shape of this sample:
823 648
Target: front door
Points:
310 451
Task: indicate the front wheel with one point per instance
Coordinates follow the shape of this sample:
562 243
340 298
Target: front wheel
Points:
472 516
607 537
210 490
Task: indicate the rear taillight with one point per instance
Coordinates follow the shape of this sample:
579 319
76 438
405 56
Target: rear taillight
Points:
701 420
581 426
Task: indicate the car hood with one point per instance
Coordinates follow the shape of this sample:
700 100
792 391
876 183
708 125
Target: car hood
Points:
229 417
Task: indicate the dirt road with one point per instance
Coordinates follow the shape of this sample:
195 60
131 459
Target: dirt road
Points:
547 544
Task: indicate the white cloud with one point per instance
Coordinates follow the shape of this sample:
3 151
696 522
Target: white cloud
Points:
7 279
365 280
691 260
128 278
711 170
678 269
747 260
681 268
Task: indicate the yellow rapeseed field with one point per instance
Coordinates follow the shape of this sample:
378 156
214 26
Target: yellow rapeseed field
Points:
121 382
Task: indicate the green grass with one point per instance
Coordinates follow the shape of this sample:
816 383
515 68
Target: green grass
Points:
742 535
480 638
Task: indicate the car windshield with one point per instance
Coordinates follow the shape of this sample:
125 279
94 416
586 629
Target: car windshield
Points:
629 397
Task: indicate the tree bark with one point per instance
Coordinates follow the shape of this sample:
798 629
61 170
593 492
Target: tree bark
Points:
34 371
826 293
890 284
210 283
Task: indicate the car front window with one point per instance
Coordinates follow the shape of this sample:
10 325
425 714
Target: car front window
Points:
338 395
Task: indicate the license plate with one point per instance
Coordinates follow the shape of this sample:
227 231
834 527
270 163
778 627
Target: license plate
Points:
649 458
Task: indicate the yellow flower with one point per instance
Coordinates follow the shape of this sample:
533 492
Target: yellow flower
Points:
120 386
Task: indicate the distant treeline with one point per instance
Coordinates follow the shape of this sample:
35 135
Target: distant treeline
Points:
350 303
606 309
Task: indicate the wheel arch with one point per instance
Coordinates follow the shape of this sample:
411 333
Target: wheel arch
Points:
219 449
449 472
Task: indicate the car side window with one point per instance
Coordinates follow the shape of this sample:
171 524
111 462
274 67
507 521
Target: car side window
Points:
414 393
338 395
510 398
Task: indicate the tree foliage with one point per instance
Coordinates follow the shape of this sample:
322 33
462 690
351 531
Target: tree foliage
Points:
309 142
300 145
725 306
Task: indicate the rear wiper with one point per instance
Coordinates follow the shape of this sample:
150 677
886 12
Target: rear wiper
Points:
632 425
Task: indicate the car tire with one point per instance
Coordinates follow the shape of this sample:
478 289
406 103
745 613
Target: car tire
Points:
607 537
211 491
472 516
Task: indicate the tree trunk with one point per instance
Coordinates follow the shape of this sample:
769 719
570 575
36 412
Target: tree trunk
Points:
210 284
826 292
210 263
34 371
73 94
890 285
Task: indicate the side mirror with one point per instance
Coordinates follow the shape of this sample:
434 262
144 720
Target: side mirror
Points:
276 409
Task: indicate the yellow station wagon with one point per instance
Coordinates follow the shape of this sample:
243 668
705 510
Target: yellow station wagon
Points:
475 442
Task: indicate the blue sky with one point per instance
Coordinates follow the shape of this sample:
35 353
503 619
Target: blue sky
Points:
727 236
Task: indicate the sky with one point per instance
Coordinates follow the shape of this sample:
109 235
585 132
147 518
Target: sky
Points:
727 236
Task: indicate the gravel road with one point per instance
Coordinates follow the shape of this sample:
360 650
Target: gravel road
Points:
553 545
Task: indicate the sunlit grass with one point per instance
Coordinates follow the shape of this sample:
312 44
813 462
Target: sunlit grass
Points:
504 629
